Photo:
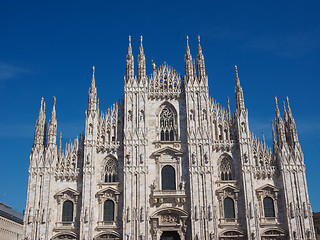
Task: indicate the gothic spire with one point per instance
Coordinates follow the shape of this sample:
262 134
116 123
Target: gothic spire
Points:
92 101
188 63
291 123
239 92
39 135
279 125
285 115
201 69
130 63
52 129
141 63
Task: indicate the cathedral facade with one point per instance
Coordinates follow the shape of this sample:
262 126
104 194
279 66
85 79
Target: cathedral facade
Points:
167 162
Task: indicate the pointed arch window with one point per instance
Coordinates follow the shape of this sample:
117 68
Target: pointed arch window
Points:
168 177
268 207
167 125
111 170
67 211
226 169
228 204
108 211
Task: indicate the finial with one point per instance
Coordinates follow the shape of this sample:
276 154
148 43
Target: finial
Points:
141 38
199 39
54 101
187 39
93 69
130 40
276 101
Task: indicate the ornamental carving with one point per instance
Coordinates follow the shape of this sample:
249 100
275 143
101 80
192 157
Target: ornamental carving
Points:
168 218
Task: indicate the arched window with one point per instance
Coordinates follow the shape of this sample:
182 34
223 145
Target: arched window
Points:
226 169
67 211
268 207
228 204
111 171
167 125
168 177
108 213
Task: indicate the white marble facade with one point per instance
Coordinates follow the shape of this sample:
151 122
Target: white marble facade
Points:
167 162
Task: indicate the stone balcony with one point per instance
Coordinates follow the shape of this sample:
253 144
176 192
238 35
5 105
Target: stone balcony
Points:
163 196
104 225
63 226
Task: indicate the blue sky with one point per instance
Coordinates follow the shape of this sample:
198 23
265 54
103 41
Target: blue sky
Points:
48 48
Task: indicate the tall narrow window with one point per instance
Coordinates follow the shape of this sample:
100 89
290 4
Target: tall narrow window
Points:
108 213
226 169
111 171
228 204
168 177
268 207
67 211
167 125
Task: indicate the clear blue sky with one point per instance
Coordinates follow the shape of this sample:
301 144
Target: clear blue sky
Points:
48 48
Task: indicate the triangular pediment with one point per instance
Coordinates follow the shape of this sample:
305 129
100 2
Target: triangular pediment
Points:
168 150
68 190
266 187
108 189
228 187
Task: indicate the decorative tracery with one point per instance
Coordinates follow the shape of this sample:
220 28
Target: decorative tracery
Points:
167 125
226 169
164 82
111 170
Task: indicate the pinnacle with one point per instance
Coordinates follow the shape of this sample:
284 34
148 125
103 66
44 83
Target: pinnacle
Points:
129 47
188 48
199 46
237 75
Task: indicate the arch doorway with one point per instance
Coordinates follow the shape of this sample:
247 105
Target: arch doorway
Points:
170 235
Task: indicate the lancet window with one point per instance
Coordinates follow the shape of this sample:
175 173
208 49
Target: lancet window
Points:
228 205
67 211
108 211
268 207
168 177
111 170
167 125
226 169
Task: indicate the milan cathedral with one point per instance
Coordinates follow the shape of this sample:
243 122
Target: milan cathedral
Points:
167 162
